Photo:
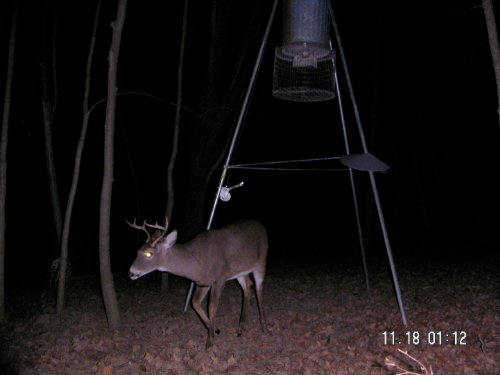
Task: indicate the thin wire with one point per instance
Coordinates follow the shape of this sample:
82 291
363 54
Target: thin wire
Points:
285 161
293 169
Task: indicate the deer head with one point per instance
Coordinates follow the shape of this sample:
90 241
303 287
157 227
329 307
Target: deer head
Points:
149 254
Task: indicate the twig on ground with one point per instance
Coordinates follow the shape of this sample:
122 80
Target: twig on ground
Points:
393 363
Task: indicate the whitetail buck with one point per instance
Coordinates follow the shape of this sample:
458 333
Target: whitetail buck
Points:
209 260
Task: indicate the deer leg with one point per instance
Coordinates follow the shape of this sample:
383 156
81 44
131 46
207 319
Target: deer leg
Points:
245 283
215 293
198 297
258 276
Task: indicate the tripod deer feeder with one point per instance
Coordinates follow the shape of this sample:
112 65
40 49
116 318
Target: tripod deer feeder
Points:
305 71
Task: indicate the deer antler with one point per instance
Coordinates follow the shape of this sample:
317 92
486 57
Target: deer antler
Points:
143 227
158 226
164 229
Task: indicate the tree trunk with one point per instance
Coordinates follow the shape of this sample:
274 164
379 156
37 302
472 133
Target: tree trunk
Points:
49 103
107 285
63 260
3 158
491 25
223 89
175 140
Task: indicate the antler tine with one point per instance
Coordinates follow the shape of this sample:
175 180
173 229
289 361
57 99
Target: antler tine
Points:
158 226
143 227
164 229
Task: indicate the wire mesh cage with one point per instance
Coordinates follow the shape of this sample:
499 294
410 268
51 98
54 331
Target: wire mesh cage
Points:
304 66
306 75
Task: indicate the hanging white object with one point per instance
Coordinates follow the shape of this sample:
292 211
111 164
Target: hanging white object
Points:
225 194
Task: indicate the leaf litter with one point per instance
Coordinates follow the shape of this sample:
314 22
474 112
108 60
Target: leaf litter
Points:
321 318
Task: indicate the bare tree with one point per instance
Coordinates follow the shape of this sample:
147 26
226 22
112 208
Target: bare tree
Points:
49 104
107 285
223 88
3 158
175 140
491 25
63 260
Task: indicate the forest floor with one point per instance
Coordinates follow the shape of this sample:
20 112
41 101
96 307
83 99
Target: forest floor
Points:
321 317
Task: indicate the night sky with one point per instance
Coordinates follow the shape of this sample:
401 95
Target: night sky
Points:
424 84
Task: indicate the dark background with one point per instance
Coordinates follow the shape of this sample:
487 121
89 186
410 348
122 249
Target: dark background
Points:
424 83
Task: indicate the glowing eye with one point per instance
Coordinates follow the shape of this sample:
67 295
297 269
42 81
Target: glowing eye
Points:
148 254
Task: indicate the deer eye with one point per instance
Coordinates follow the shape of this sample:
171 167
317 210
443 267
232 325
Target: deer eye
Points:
148 254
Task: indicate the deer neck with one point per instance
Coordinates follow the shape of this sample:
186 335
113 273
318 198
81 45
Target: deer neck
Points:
182 260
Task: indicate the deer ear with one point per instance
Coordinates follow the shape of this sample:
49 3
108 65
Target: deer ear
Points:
170 240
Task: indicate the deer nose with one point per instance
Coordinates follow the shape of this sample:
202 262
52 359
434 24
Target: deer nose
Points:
132 275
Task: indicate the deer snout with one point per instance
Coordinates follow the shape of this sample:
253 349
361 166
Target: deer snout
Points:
133 275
